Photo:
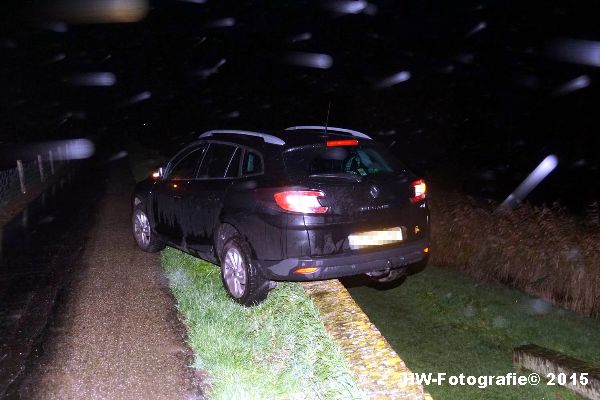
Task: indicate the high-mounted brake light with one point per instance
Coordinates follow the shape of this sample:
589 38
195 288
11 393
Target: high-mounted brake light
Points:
419 191
344 142
301 201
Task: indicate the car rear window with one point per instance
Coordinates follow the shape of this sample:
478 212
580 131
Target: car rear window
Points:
361 160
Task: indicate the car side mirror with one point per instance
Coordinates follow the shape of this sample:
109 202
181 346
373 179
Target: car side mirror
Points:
158 174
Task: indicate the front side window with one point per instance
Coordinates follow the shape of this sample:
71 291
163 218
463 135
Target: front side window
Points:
216 161
185 167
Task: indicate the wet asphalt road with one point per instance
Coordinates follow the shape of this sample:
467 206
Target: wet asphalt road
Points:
38 254
117 334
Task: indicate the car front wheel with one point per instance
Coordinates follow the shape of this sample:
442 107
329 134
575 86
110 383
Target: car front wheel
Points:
142 232
240 275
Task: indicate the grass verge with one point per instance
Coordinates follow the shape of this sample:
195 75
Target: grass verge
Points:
444 321
276 350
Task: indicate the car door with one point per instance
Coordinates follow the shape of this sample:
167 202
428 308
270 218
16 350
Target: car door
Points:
168 193
204 195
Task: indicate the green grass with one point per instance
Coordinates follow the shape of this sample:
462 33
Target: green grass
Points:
277 350
443 321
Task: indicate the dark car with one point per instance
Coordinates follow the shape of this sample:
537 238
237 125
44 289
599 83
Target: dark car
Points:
302 204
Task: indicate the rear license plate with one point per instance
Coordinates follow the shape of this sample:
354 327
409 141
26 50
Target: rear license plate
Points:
375 238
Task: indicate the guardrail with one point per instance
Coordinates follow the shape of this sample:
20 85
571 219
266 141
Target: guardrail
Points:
19 179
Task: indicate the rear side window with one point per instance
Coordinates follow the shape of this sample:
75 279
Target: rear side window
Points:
216 161
252 163
233 171
362 160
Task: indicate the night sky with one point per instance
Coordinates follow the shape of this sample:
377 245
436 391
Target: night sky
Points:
481 89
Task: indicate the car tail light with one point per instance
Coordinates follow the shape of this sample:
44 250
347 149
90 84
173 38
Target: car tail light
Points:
301 201
419 190
345 142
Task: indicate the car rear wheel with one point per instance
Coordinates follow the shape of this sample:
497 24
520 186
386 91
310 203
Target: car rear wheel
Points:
142 232
240 275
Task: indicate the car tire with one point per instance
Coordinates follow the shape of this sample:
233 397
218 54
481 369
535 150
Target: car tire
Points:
142 231
241 277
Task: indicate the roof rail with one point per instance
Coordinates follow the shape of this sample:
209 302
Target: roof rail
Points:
330 128
266 137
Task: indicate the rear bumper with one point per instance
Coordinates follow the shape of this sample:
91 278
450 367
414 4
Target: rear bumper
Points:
346 265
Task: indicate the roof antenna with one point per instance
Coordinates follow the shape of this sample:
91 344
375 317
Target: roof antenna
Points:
327 119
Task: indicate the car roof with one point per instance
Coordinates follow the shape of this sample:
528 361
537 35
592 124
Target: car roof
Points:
290 137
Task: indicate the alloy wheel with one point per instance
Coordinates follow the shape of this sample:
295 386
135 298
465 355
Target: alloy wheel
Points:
234 273
141 229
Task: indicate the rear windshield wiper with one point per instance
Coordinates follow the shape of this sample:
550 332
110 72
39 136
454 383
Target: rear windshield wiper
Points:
352 177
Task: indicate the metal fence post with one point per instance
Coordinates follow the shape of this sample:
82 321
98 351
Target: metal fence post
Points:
41 167
21 176
25 217
51 158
